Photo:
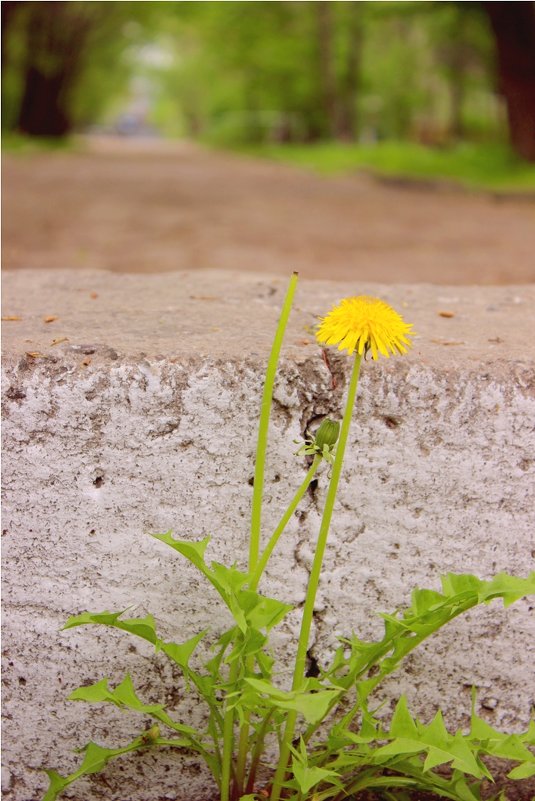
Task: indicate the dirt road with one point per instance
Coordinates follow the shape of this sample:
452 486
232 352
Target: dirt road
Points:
151 207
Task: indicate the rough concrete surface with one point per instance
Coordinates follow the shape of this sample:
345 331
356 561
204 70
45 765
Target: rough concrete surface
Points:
134 410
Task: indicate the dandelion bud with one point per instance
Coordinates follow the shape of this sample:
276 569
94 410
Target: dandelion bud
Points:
327 434
151 735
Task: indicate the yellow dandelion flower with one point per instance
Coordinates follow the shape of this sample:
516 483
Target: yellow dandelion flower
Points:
364 324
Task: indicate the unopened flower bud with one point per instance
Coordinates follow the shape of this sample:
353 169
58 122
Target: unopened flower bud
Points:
327 434
151 735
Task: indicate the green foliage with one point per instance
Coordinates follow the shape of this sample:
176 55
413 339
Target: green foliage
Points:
302 72
272 73
487 167
96 758
356 751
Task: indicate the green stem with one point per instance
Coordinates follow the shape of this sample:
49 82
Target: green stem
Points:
228 738
243 747
306 623
256 512
257 752
264 558
254 539
253 584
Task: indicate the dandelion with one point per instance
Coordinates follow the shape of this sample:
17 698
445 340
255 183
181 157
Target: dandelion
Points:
363 324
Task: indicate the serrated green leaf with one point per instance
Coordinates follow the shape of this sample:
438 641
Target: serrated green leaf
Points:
400 745
510 588
56 785
194 551
266 688
425 600
439 746
312 705
459 583
406 629
402 724
248 608
509 747
229 578
529 736
182 653
124 696
308 776
262 612
95 758
143 627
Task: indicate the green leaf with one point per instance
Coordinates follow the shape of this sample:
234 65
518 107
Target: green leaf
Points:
523 771
509 588
124 696
143 627
262 612
402 724
181 654
194 551
438 744
308 777
312 705
96 757
56 785
405 630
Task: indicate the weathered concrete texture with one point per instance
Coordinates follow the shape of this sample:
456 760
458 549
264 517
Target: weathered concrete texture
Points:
135 411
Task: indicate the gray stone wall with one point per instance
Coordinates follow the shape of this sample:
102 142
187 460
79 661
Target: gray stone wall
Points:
135 411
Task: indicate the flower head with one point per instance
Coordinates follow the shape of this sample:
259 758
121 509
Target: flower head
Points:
364 324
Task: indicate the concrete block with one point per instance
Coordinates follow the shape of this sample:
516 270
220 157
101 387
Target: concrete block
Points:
130 406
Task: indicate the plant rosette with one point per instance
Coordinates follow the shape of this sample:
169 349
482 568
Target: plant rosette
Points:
331 743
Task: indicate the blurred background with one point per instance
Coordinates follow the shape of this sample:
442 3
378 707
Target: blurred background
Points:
389 141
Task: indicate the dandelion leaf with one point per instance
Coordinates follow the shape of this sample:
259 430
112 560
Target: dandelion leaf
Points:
124 696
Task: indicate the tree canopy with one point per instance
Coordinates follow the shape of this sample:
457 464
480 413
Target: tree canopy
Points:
287 71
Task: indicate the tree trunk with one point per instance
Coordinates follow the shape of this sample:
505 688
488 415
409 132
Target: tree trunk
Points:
56 37
513 24
42 111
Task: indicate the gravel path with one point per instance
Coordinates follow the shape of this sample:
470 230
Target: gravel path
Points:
133 206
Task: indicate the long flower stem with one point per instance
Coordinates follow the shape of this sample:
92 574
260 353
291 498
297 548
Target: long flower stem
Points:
254 539
264 558
306 623
253 584
261 447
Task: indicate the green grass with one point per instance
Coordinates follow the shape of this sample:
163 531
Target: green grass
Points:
20 144
474 166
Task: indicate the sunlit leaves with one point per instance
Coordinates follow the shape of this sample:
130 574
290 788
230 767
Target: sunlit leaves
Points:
313 704
96 758
140 627
308 776
359 751
429 611
124 696
248 608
